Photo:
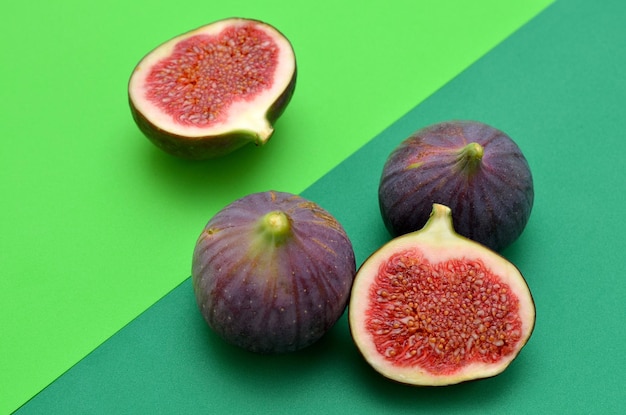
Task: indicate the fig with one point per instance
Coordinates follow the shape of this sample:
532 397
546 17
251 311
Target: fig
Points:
476 170
434 308
210 91
272 272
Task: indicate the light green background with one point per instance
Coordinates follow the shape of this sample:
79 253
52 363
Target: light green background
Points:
97 224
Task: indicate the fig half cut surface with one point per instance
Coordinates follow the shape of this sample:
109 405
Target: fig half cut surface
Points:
434 308
272 272
210 91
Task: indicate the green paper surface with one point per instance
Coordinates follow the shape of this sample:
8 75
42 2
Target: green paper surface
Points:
97 224
557 87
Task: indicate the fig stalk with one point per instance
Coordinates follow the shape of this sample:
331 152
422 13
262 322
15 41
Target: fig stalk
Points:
440 223
275 227
469 158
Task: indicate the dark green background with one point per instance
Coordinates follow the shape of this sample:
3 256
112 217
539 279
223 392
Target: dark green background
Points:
558 87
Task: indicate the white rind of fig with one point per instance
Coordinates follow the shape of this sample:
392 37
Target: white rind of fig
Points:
246 117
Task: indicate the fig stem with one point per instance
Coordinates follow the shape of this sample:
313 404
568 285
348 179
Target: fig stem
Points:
469 158
439 223
275 227
258 127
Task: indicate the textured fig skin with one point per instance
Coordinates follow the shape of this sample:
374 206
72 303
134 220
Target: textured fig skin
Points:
491 206
272 297
212 146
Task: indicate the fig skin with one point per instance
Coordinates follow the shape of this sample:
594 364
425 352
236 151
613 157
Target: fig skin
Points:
443 256
272 272
212 144
475 169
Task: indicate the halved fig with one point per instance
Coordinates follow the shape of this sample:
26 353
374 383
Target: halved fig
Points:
434 308
272 272
210 91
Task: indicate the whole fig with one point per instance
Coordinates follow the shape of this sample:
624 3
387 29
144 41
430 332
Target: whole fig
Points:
272 272
475 169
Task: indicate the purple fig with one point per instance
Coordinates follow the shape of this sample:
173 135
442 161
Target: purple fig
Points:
473 168
272 272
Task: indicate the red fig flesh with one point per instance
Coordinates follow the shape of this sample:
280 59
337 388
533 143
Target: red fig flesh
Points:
208 92
434 308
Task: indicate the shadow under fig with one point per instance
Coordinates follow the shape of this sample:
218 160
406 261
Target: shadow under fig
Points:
334 349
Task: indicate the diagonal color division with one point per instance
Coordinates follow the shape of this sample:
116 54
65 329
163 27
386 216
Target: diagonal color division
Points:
97 224
557 86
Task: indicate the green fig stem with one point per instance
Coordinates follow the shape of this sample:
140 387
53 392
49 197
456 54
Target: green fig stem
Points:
469 158
263 132
439 223
275 227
